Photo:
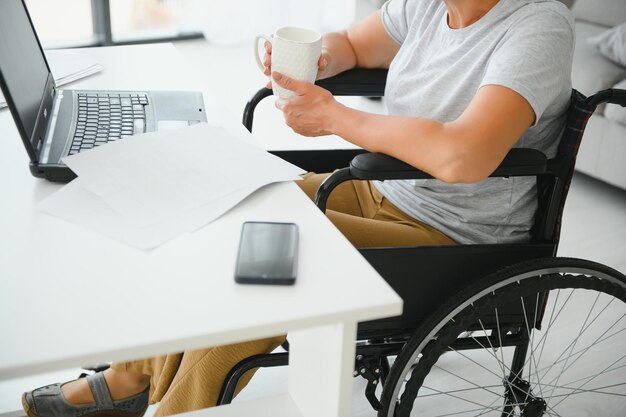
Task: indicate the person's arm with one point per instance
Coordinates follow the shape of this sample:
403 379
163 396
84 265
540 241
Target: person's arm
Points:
466 150
365 45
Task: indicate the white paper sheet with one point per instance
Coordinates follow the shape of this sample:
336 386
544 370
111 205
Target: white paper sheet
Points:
150 178
147 189
77 205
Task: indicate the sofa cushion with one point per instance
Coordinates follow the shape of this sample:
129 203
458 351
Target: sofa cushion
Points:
591 71
602 12
616 113
612 44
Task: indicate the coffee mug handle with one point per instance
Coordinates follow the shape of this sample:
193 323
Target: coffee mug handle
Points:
256 50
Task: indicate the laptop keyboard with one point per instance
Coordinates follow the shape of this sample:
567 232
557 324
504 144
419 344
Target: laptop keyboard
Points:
105 117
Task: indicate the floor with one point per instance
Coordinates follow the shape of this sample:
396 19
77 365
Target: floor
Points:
594 224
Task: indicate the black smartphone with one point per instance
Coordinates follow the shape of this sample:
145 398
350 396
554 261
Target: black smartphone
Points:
268 253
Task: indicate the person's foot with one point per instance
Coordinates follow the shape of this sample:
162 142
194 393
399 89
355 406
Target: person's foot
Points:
121 385
91 396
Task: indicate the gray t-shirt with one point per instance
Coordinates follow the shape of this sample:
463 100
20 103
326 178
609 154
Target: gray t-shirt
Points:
524 45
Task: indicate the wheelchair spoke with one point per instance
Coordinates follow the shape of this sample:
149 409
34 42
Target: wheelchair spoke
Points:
551 412
483 407
547 367
501 350
598 340
544 337
580 353
493 355
532 339
501 362
583 328
484 410
503 366
603 372
491 407
547 331
594 391
587 377
473 361
467 380
456 391
532 351
507 404
589 380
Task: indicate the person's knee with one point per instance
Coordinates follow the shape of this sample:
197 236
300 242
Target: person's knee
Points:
310 183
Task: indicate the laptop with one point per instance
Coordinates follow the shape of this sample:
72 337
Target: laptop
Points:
54 123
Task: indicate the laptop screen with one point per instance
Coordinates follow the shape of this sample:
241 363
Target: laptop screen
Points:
22 64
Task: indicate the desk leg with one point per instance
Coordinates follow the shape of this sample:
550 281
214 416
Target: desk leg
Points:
321 362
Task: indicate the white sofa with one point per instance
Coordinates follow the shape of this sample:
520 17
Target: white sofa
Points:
603 151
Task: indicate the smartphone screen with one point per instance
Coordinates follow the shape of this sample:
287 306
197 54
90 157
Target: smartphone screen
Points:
267 253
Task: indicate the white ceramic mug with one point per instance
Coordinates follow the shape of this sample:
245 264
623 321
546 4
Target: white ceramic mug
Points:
295 53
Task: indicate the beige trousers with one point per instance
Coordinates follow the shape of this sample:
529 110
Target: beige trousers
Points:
192 380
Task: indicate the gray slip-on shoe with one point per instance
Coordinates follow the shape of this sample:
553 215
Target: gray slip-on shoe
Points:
49 401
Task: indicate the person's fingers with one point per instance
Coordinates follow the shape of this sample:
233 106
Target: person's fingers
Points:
267 59
322 63
299 87
280 103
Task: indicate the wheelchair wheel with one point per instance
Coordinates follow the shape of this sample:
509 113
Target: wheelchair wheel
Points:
542 338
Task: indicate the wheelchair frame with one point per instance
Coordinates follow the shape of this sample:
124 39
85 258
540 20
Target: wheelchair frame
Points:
379 339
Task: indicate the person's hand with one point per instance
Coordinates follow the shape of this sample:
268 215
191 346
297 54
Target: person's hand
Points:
267 61
311 112
322 63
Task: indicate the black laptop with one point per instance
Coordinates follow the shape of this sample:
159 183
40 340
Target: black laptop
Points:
54 123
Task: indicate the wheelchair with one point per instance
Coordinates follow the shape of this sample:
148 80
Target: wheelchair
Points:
487 330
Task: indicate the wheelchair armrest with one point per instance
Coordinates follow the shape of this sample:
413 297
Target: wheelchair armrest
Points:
356 82
376 166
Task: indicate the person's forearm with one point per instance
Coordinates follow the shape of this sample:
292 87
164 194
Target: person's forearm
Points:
426 144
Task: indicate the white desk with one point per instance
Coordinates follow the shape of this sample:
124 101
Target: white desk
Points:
71 297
